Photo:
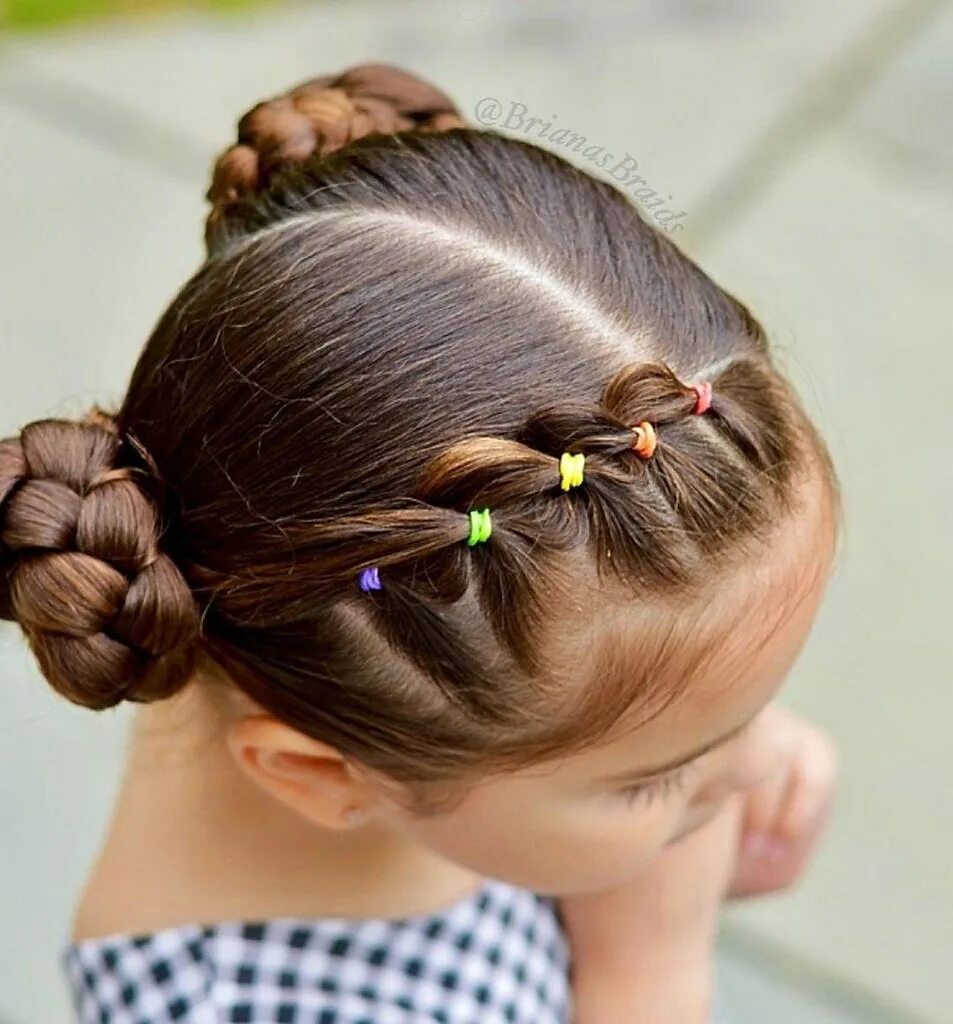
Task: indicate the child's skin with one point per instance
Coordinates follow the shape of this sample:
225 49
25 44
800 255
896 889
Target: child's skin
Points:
226 797
643 950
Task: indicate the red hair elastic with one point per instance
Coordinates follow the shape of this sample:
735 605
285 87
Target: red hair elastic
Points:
703 401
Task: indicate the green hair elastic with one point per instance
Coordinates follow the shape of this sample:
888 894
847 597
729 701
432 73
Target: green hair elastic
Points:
571 469
480 526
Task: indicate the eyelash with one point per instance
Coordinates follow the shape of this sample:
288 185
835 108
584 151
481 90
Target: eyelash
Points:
659 787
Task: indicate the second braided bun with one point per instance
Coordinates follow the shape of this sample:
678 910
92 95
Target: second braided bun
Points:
318 117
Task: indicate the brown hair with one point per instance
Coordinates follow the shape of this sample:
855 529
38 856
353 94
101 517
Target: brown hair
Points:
400 319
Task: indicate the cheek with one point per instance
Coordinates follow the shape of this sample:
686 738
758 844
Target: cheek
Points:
553 845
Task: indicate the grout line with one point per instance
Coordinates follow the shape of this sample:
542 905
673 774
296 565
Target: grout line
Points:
819 105
105 121
803 974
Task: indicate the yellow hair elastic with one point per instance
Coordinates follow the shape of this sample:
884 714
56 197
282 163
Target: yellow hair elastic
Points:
646 440
571 469
480 526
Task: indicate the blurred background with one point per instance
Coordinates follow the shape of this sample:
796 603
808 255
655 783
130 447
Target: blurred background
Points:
809 148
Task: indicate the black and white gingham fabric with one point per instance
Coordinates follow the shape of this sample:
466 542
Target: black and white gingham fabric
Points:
497 957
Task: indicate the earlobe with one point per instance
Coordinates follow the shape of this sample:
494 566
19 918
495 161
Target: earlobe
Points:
309 776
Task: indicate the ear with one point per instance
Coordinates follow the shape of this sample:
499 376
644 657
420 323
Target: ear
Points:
312 778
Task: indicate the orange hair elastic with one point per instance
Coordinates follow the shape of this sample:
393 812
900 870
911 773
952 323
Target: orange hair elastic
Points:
646 440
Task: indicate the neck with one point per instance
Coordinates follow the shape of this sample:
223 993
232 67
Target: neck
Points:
192 838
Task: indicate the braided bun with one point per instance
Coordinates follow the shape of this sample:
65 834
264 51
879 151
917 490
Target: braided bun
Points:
107 614
320 116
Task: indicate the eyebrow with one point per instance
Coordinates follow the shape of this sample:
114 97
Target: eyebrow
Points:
661 769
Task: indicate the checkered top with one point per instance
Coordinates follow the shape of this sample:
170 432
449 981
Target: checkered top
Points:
499 956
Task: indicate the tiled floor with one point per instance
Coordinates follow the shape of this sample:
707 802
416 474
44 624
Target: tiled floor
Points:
811 145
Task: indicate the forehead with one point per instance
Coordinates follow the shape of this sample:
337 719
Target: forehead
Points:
704 668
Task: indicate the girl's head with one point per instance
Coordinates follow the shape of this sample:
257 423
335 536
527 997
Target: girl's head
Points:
402 321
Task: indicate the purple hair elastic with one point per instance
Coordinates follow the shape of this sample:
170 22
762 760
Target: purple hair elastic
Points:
370 579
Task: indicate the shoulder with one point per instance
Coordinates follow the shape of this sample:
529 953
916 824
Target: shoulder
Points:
499 956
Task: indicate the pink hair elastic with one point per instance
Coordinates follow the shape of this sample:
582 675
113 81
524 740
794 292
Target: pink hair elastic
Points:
703 402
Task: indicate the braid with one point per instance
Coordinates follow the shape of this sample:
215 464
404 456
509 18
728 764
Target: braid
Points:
107 614
651 515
